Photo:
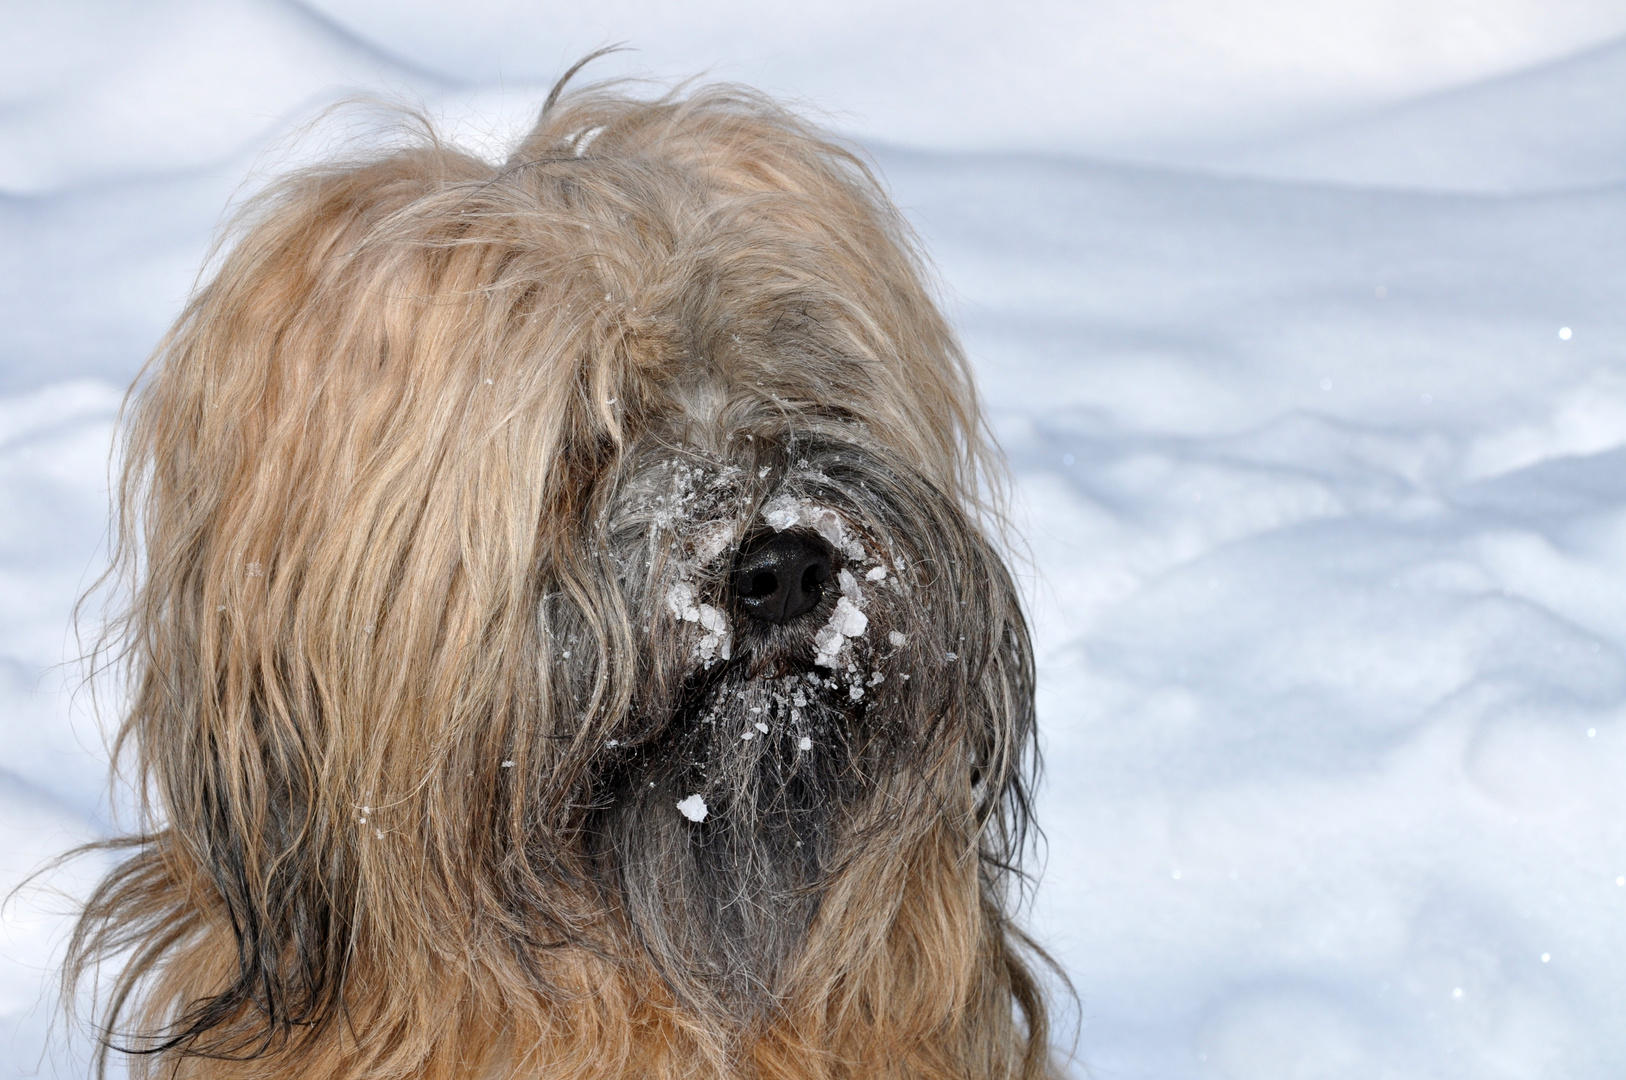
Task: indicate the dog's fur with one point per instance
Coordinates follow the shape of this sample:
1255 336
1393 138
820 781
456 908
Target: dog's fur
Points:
431 501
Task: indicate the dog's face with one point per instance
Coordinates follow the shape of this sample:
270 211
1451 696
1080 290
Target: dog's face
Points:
816 623
580 562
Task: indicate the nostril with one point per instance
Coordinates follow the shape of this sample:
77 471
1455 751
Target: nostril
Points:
783 575
815 575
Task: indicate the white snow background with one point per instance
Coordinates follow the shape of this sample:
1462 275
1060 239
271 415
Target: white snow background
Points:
1302 326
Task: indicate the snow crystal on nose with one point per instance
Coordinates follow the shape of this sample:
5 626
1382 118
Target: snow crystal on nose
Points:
781 516
714 540
827 523
786 512
713 619
680 601
719 641
693 808
846 621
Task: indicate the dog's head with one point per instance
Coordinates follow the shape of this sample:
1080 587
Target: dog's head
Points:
584 556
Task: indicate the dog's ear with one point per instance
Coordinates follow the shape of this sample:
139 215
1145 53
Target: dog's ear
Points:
333 473
366 450
243 439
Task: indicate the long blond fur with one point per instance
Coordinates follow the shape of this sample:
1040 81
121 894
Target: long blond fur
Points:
373 483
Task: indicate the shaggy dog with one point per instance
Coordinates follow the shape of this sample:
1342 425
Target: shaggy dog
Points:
564 633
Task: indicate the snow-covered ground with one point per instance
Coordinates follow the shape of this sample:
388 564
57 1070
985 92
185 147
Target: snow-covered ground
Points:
1304 328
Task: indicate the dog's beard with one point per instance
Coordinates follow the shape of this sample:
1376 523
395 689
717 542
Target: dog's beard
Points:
763 758
720 833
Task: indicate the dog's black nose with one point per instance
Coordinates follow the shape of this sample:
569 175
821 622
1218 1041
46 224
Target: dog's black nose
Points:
783 576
